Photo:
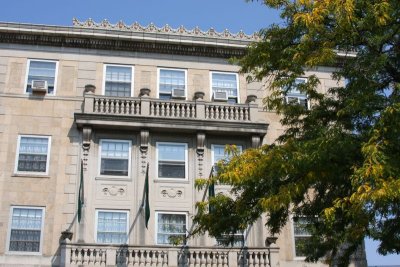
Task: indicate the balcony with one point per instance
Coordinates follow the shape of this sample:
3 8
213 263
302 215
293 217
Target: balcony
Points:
170 115
73 254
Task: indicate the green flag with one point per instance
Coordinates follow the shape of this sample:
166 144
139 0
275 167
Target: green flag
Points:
80 195
211 189
146 198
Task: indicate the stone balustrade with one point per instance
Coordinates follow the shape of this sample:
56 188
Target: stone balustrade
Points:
178 109
74 255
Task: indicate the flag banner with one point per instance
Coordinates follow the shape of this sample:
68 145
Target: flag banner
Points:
80 195
211 190
146 196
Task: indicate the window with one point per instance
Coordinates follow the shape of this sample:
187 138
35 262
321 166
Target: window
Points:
115 157
218 152
301 235
294 96
171 227
26 229
112 227
118 81
42 70
33 154
233 240
171 83
226 82
172 158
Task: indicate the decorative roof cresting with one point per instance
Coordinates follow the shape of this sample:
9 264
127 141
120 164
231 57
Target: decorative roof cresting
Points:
151 28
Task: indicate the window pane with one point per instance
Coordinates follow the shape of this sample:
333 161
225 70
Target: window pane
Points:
112 227
171 160
26 227
170 225
301 235
42 70
118 81
170 79
225 82
114 158
32 154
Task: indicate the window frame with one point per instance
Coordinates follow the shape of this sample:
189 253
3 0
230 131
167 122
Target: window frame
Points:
28 65
292 219
129 159
237 84
157 213
97 222
47 159
11 252
186 162
116 65
240 147
173 69
298 95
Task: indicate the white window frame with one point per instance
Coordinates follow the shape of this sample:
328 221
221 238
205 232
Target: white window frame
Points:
158 80
222 72
168 212
115 211
294 239
186 161
298 95
129 160
41 231
115 65
240 148
55 75
47 159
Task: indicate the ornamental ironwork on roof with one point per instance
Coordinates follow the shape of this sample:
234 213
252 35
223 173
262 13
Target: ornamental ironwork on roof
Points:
151 28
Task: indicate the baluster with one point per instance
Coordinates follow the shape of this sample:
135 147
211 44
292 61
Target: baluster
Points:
220 260
96 105
163 109
192 259
246 114
235 113
207 112
212 112
173 110
157 108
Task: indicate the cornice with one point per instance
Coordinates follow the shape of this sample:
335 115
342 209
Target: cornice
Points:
145 39
151 28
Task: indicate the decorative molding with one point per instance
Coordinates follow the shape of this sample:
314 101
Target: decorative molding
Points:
113 190
151 28
86 141
171 193
201 138
144 148
255 141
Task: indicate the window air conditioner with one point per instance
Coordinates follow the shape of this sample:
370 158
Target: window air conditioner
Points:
39 86
178 93
220 96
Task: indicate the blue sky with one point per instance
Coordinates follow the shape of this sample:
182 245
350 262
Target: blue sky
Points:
234 15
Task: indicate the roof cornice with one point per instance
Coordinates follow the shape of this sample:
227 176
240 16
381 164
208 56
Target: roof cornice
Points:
148 39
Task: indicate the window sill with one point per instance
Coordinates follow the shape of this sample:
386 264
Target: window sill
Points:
113 178
171 180
31 175
23 253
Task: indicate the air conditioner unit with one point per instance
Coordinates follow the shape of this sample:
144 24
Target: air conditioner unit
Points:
39 86
178 93
220 96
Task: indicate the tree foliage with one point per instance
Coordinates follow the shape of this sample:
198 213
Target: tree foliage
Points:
338 162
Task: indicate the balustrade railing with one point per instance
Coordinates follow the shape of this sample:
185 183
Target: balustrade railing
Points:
147 107
82 255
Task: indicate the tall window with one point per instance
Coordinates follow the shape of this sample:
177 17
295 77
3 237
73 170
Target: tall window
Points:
33 154
225 82
115 157
26 229
42 70
118 81
294 96
171 83
218 152
171 227
172 158
301 235
112 227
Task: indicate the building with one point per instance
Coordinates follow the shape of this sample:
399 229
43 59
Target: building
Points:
106 100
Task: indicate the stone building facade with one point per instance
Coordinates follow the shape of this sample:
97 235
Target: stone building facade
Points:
104 101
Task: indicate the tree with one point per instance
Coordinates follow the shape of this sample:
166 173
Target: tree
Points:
338 162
